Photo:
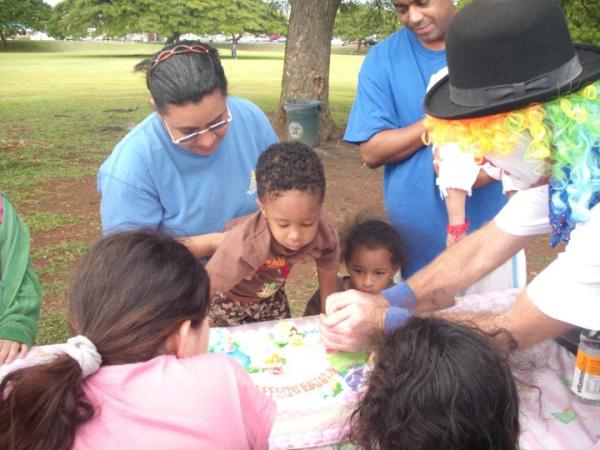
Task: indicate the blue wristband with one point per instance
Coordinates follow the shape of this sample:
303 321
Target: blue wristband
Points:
395 318
400 295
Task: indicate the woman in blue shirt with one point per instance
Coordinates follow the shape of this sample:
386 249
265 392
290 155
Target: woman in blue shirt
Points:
189 166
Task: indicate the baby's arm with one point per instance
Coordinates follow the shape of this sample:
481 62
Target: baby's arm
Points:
457 173
327 283
457 220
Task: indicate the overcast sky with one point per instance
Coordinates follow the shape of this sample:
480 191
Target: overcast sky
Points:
52 2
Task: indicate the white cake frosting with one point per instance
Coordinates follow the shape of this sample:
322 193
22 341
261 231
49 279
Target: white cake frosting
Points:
315 390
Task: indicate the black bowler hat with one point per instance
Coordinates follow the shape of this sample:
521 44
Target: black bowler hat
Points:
506 54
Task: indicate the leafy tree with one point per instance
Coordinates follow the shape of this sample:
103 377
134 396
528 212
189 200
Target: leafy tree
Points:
357 21
583 17
235 17
119 17
19 14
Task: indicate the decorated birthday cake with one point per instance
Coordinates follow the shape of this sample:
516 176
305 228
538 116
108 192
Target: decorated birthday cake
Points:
315 390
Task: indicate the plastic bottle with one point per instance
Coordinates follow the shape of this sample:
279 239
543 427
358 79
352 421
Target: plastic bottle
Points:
586 377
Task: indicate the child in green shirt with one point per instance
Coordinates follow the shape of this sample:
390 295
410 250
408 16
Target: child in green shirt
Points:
20 291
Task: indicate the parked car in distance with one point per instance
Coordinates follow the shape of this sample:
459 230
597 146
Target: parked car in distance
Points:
262 38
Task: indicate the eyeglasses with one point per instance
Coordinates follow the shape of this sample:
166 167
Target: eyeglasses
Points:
177 50
210 129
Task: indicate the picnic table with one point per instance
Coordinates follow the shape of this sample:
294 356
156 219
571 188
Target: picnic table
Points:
552 418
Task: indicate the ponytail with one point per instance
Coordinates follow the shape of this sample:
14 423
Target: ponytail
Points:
42 406
131 293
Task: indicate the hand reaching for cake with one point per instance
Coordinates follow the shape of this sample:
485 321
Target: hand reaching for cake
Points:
351 319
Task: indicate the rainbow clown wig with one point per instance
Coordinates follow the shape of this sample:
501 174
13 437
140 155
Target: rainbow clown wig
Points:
518 73
565 138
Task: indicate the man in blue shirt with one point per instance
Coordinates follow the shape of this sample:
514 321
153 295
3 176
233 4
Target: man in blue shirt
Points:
387 122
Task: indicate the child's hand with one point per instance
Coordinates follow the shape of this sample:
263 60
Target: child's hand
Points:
9 350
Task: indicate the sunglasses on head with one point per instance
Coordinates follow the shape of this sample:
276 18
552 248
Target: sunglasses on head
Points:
177 50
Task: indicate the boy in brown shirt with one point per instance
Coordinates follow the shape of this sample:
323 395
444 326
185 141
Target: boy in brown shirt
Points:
250 266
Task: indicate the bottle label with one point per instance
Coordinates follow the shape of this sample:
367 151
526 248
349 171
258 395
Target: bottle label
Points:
586 379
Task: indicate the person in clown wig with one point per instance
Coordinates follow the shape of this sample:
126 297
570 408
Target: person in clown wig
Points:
520 94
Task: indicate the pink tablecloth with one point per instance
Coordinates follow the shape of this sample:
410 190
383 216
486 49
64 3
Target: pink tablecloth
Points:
551 417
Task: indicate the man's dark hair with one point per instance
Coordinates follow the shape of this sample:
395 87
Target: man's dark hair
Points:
184 77
437 384
289 166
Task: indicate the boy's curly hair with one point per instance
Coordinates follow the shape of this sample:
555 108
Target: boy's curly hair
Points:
289 166
438 385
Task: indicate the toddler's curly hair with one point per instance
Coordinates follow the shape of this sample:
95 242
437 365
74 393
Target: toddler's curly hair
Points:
289 166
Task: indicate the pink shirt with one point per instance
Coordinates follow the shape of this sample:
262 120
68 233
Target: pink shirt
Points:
203 402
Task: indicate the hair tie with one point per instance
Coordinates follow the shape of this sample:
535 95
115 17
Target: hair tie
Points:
82 350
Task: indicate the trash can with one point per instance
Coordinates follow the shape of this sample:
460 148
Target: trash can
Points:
303 121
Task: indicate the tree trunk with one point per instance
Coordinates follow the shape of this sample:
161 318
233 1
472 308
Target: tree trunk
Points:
306 64
173 38
234 44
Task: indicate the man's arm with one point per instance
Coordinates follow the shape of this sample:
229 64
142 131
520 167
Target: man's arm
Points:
524 324
463 264
391 146
353 317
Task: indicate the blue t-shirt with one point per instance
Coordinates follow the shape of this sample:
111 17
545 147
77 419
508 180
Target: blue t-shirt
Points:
391 88
149 182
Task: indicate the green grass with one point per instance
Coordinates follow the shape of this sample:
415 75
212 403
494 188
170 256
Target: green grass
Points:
42 221
57 257
58 105
52 327
65 105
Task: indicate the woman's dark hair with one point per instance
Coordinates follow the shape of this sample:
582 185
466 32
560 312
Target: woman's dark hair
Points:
438 385
184 77
132 291
373 234
289 166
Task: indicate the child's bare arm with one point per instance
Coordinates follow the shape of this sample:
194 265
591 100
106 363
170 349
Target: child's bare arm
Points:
457 173
327 283
202 244
455 206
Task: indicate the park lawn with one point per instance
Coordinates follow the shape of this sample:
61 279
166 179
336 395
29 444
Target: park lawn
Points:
64 105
